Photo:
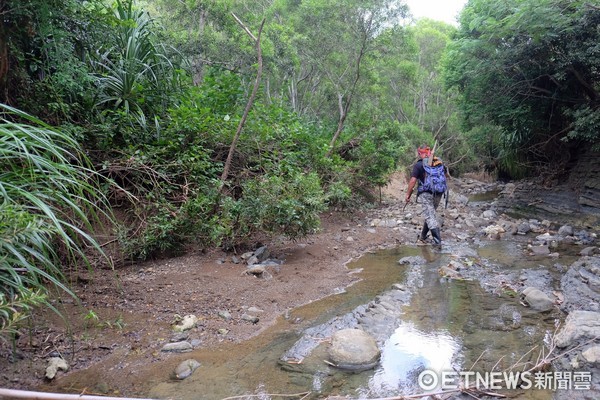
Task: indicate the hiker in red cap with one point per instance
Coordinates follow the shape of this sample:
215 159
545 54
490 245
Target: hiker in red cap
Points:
430 174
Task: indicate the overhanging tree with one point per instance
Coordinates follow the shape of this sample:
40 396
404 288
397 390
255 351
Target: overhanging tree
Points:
335 38
531 68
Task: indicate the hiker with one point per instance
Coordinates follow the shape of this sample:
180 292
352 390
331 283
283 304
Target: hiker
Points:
430 174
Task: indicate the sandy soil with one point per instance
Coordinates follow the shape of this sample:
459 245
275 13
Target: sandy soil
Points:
126 315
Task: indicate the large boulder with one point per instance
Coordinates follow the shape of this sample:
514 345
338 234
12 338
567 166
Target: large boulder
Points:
354 349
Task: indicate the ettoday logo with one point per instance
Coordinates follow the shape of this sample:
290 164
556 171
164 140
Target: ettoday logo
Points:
452 380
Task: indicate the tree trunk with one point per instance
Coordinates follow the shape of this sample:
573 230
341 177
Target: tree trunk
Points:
227 165
344 109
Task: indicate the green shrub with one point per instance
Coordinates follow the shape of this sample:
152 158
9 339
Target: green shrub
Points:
282 204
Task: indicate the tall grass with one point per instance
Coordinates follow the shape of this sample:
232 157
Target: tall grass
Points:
48 194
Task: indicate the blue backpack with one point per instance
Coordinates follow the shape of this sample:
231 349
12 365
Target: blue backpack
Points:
435 178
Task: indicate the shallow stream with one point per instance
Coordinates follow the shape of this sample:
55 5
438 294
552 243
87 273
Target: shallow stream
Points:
448 325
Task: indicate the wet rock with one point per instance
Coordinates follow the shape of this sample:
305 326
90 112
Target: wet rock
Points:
177 347
186 368
354 349
54 365
537 299
451 271
542 250
412 260
579 326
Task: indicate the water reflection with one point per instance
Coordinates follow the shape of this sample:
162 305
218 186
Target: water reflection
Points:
406 353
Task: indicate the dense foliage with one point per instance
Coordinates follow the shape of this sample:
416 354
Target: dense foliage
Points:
529 77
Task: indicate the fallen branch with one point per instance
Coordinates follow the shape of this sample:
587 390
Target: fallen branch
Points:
469 391
30 395
269 395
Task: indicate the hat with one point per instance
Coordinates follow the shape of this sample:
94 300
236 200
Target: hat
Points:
423 151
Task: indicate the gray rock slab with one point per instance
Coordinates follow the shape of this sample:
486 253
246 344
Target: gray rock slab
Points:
178 347
579 326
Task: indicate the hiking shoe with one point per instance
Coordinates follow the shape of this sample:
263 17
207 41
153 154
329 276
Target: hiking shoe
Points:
437 239
422 242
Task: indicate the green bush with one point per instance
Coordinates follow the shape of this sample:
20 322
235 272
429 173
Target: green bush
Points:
282 204
169 228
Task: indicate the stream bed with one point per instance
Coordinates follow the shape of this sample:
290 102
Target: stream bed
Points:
432 321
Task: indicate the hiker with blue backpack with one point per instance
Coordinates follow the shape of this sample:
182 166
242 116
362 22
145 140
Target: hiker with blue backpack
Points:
430 174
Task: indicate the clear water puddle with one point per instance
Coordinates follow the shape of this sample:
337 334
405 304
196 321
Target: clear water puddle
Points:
484 196
448 325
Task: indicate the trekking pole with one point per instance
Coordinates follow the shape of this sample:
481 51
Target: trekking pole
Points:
405 204
447 194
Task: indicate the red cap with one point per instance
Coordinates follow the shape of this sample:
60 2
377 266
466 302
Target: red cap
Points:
423 151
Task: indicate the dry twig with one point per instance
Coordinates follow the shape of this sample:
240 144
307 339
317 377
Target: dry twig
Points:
302 395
